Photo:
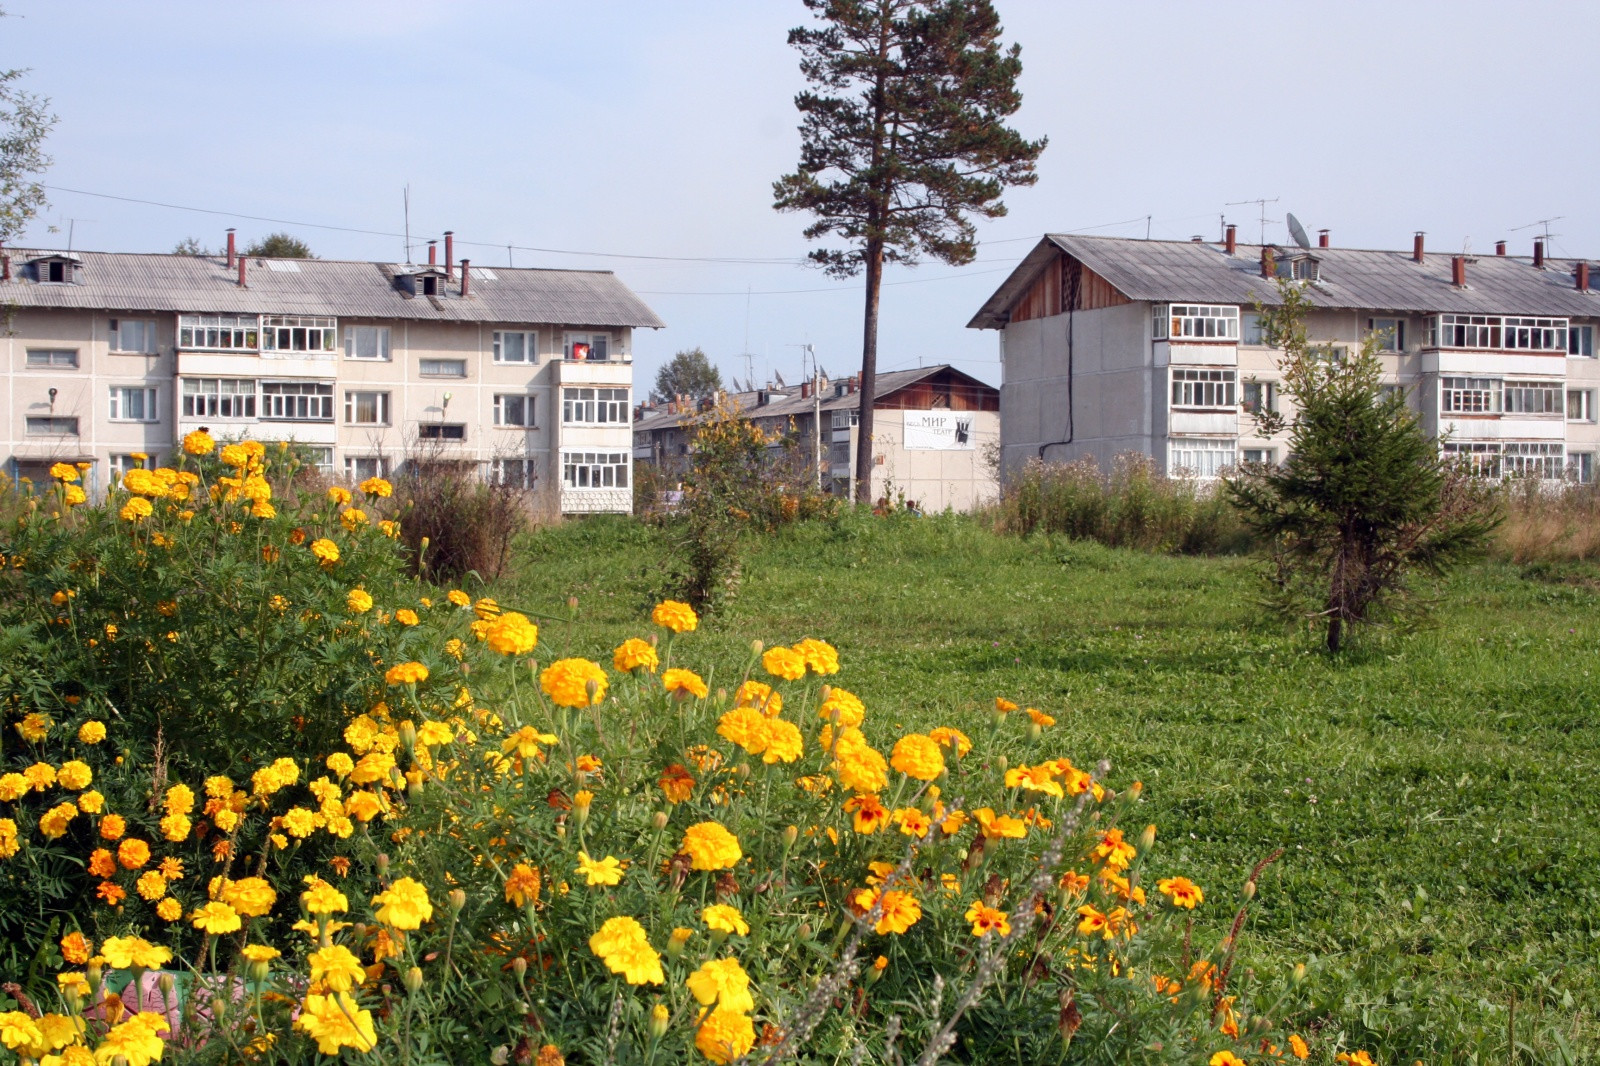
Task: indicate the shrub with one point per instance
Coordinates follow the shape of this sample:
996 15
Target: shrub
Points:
468 524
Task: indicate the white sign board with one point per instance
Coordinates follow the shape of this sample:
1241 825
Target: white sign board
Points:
939 430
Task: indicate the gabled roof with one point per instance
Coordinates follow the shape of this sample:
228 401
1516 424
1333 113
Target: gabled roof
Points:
120 281
1351 279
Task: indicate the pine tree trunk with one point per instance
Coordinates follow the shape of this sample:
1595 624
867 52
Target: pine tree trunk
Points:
869 373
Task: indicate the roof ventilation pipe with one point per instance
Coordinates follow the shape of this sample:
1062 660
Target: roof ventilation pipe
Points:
231 250
1499 247
1322 238
1538 255
466 280
1230 238
1583 277
1268 268
1458 271
1416 246
242 261
449 253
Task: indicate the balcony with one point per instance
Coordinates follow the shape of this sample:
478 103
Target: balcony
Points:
321 365
615 372
596 501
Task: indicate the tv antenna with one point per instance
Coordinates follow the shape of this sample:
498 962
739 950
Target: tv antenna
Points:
405 195
1261 203
72 225
1297 231
747 355
1545 222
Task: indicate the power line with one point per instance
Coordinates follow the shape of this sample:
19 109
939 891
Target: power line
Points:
784 292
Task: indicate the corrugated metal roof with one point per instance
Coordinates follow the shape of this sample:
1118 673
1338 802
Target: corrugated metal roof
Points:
1350 279
120 281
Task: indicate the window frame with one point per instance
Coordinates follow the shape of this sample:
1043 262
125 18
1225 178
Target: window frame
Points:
190 406
530 347
116 411
588 337
245 329
529 405
355 471
1580 341
527 472
1546 460
115 331
382 344
382 404
1269 397
1182 317
51 362
584 465
436 431
1395 332
33 423
1517 398
425 372
273 389
578 409
1192 388
1521 333
1452 397
1177 445
122 462
275 327
1580 467
1585 398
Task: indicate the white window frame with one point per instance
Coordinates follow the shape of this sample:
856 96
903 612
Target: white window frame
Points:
514 473
1200 457
1545 460
596 469
1469 396
1535 334
1268 400
219 333
373 339
1391 333
294 334
51 358
1202 322
1532 398
281 401
233 399
1251 331
361 467
1465 331
506 404
1583 409
529 340
119 329
1580 467
431 368
51 426
1205 388
1580 342
1265 456
122 462
595 406
353 404
120 405
602 342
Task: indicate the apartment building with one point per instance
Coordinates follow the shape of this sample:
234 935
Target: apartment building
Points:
1112 345
522 375
934 432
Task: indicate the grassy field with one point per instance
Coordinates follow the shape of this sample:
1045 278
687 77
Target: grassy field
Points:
1434 790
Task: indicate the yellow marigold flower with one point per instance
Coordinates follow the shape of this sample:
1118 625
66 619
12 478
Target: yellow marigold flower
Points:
259 953
1227 1058
130 952
512 634
621 943
912 822
759 696
435 734
676 616
9 842
1040 718
1002 825
710 847
820 656
721 918
34 727
1004 706
74 496
338 495
336 967
40 776
175 827
359 601
136 509
485 609
1181 891
1035 779
725 1035
91 802
53 823
688 682
252 897
198 443
721 983
405 905
784 662
326 551
459 598
353 518
606 871
745 727
74 775
900 909
92 732
635 654
1350 1058
64 472
13 786
842 708
335 1022
406 616
1298 1047
917 755
323 898
784 743
986 920
410 673
858 766
216 918
676 783
169 910
567 681
179 799
377 486
522 886
151 885
946 737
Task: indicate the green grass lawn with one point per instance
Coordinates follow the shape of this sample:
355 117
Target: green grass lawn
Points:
1434 791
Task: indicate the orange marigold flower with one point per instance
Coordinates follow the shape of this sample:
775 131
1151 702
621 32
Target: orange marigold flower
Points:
76 948
677 783
1004 706
1115 852
113 826
842 708
635 654
522 886
900 909
568 682
102 863
685 683
1298 1047
819 656
917 755
1181 891
986 920
759 696
111 892
785 663
947 737
133 853
676 616
870 815
410 673
1040 718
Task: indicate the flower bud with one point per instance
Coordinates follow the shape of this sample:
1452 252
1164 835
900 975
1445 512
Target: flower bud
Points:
1147 839
742 771
581 801
593 688
258 971
414 790
677 940
1135 789
572 603
382 863
500 1055
519 967
457 899
875 971
659 1017
756 647
94 974
805 931
413 980
166 984
1249 891
1002 763
219 1007
659 820
791 833
408 735
1035 731
425 542
1299 974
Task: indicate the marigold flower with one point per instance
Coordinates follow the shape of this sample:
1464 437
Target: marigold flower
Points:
1040 718
259 953
567 681
410 673
725 1035
405 905
9 843
335 1022
64 472
721 983
710 846
512 634
721 918
900 909
40 776
326 551
622 945
1298 1047
359 601
1091 922
1226 1058
784 662
322 898
76 948
745 727
1004 706
550 1055
676 782
761 697
151 885
91 732
819 656
686 682
74 775
198 443
858 766
606 871
13 786
784 743
676 616
459 598
136 509
336 967
102 863
1035 779
1353 1058
252 897
111 893
377 486
1181 891
34 727
1115 852
912 822
522 886
947 737
986 920
842 708
299 822
917 755
870 815
352 518
216 918
1000 825
54 822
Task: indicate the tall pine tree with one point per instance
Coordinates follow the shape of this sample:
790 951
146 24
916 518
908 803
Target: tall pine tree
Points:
903 142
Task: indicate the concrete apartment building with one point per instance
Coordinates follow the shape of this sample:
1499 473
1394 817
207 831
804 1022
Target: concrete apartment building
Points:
523 375
935 431
1111 345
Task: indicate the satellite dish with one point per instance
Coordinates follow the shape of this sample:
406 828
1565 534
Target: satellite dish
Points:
1298 232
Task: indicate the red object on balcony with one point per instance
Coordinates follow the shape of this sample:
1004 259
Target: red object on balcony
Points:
580 350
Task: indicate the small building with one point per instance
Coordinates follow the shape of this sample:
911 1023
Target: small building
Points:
936 434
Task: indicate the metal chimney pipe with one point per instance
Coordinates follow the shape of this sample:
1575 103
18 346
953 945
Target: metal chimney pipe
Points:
230 248
449 253
1538 255
1322 238
1231 238
1416 247
466 279
433 253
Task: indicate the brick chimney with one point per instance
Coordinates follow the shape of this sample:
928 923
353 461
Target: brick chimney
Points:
1499 247
1458 271
1230 238
1322 238
1268 267
466 280
1538 255
1583 277
230 248
1416 247
242 261
805 390
433 253
5 267
449 253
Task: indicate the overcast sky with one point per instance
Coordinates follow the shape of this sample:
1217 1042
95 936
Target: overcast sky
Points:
651 129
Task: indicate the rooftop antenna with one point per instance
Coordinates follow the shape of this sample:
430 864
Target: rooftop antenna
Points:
72 224
1261 202
1298 232
747 355
406 196
510 262
1545 222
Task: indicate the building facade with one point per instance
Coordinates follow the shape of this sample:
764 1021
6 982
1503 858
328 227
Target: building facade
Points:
936 431
521 375
1111 345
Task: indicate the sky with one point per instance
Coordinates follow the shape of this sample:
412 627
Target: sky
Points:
645 136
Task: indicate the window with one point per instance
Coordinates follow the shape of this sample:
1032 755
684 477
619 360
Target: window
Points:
54 270
430 285
1580 341
366 408
219 332
1580 467
1532 398
513 410
1481 459
51 426
322 458
1252 330
1534 459
594 406
133 404
846 419
516 347
1199 456
441 431
52 357
1391 333
1537 334
1389 392
361 467
1580 405
594 470
593 346
121 464
366 342
295 333
1260 396
1262 456
1200 322
219 398
1203 388
297 401
443 368
514 473
1464 331
1300 268
132 335
1469 396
